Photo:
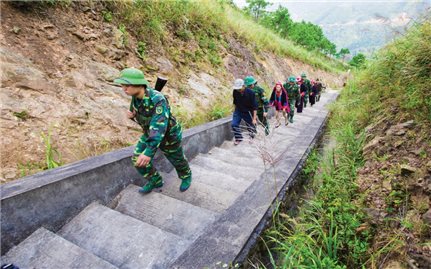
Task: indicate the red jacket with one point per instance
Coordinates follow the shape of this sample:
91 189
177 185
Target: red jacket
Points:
280 102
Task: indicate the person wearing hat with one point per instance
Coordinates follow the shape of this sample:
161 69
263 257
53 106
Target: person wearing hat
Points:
313 93
319 87
150 109
245 103
301 98
307 85
280 102
262 101
292 90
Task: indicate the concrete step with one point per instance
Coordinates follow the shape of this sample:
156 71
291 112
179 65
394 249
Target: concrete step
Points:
281 138
219 179
234 167
253 158
122 240
46 250
229 144
199 194
167 213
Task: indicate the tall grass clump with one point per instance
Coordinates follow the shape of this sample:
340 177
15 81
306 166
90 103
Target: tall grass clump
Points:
52 155
400 75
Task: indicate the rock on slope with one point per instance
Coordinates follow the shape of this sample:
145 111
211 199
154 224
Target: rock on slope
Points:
57 69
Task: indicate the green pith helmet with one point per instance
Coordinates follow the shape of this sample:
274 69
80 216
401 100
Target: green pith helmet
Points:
292 79
131 76
249 81
303 75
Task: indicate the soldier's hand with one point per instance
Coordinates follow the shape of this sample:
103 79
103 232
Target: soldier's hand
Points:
265 114
142 161
131 114
254 121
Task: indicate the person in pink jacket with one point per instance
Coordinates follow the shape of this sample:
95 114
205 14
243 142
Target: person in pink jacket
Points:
280 102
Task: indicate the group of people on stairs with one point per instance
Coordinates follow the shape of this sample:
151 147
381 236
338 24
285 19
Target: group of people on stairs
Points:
151 110
252 106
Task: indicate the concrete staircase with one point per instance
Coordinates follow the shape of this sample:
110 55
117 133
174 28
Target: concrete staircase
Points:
211 222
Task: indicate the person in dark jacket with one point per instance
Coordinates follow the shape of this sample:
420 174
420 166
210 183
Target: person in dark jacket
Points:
280 101
313 93
319 89
245 103
307 87
302 91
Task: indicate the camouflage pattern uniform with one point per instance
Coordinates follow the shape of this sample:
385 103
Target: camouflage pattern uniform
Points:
161 130
263 106
293 95
307 83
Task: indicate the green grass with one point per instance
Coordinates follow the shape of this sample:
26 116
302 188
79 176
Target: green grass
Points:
400 75
323 235
23 115
53 158
52 155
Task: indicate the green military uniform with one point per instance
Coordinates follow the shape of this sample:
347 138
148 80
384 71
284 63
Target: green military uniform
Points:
160 131
262 101
293 95
307 83
262 106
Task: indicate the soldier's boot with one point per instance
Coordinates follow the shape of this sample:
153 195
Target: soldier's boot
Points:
151 185
291 118
185 184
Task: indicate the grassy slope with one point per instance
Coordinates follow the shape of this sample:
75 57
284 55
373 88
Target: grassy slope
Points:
331 230
208 23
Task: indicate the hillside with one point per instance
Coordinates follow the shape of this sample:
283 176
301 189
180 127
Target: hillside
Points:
369 205
58 62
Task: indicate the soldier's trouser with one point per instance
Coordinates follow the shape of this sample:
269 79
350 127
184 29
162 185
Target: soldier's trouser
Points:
264 121
175 155
312 99
306 99
292 103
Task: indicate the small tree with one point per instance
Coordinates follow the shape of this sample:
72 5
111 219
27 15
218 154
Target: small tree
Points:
278 21
342 53
256 8
358 60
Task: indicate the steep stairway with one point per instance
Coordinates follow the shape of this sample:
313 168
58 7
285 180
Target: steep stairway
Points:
210 222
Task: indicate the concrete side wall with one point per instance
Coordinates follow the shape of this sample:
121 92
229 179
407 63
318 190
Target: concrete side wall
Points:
51 198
